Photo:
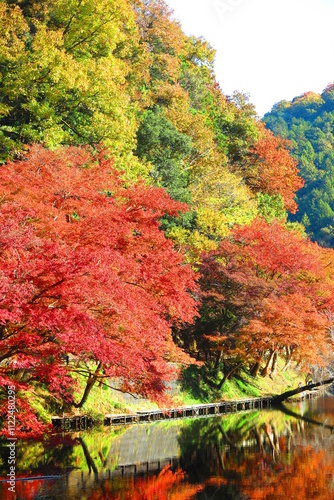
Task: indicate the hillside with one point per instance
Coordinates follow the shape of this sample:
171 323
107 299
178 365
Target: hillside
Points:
308 122
144 229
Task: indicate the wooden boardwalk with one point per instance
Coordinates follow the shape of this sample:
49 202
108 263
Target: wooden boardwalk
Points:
83 422
72 423
76 423
193 411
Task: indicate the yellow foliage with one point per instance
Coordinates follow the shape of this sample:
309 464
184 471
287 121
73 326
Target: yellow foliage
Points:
70 71
191 243
220 198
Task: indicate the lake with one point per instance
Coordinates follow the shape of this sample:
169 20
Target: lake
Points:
268 454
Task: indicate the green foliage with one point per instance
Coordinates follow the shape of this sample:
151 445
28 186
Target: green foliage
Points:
123 74
68 71
238 128
194 389
160 143
189 133
270 207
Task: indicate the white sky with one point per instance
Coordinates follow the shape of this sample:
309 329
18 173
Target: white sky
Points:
271 49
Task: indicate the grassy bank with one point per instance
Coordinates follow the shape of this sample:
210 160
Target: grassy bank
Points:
191 390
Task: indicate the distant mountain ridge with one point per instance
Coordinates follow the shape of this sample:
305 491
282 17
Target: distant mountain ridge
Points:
308 123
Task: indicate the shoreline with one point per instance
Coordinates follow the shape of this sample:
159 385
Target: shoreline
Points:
84 422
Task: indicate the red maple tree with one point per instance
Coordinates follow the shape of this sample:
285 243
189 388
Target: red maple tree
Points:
264 293
86 275
271 169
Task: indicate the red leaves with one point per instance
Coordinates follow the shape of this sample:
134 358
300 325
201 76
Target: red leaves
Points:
275 249
272 170
85 269
275 284
166 485
308 476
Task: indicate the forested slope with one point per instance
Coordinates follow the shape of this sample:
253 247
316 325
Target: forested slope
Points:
144 212
307 122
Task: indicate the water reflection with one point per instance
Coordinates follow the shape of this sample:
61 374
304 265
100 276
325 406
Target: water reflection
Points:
270 455
286 453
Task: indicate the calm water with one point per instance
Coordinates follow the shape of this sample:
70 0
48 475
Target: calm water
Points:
252 455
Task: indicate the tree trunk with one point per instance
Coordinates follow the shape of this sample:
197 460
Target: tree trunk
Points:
227 376
89 460
282 397
218 358
220 457
256 368
288 358
266 369
227 439
89 386
259 440
274 367
222 382
302 419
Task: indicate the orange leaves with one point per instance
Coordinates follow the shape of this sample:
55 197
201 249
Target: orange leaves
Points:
273 170
168 485
276 249
275 285
86 271
308 477
287 307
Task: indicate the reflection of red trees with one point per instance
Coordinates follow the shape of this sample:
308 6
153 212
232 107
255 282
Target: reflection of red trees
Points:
167 485
308 477
29 490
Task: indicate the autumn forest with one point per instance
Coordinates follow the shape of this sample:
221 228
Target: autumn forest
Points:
148 221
